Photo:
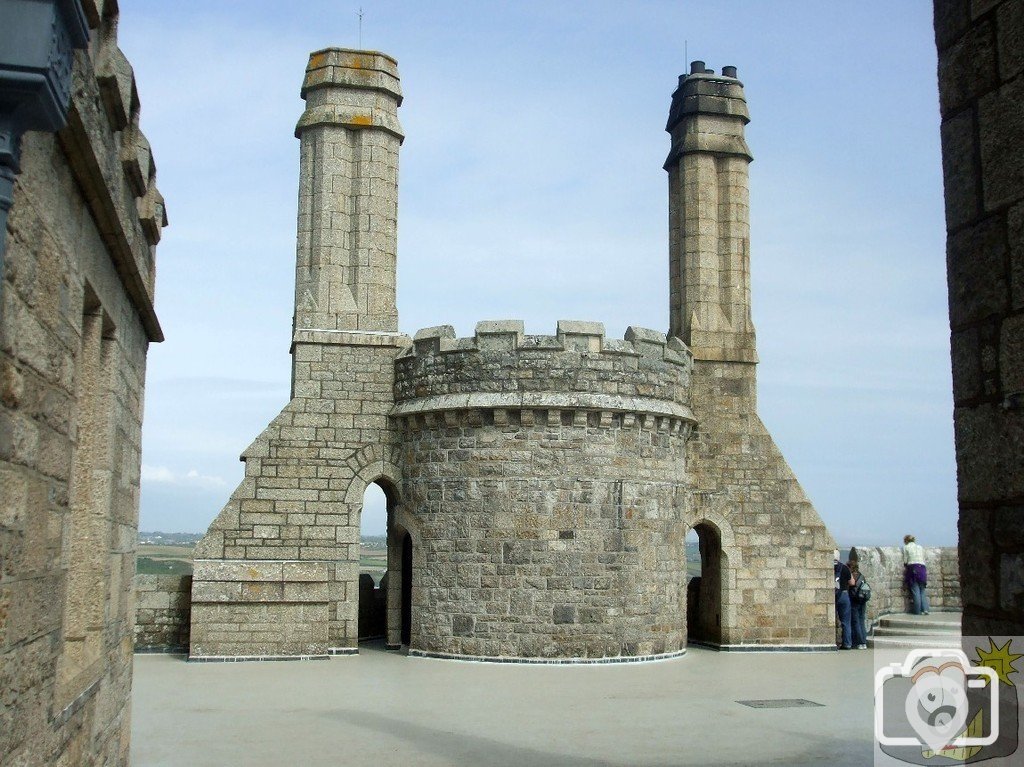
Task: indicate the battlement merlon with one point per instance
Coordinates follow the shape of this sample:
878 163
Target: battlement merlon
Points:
643 378
570 335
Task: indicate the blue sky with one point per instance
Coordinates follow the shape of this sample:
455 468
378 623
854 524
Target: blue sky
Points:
531 187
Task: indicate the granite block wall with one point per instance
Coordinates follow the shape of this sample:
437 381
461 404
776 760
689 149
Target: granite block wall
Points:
163 606
294 520
778 586
546 479
75 323
883 568
981 97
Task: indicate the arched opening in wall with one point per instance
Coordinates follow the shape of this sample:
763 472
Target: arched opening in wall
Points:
704 560
373 563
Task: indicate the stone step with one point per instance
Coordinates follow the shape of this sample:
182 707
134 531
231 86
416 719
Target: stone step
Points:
883 630
942 642
943 623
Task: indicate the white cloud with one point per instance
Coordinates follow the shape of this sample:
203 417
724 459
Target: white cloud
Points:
190 478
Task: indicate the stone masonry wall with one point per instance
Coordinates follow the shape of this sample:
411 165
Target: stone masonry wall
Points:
778 553
163 606
545 476
278 571
75 323
981 98
883 568
283 554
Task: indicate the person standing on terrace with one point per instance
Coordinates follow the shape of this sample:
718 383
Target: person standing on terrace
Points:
915 574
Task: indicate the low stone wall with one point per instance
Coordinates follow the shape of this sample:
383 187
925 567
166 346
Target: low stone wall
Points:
163 606
883 567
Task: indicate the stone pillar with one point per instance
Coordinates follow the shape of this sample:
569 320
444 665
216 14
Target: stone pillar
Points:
709 227
348 195
981 98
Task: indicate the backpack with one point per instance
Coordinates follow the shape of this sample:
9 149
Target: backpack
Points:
861 591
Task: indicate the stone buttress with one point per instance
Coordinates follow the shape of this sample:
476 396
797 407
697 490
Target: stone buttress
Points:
277 572
777 586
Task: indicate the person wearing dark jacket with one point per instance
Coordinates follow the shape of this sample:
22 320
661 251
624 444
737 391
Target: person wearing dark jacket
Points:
844 580
857 608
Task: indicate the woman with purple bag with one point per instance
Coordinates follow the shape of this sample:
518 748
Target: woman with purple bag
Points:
915 574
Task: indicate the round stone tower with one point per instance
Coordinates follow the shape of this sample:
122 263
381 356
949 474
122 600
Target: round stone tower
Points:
546 476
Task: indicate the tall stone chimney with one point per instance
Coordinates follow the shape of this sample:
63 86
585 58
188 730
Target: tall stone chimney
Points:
348 194
709 225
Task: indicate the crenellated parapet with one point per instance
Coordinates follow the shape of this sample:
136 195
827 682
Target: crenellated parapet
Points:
132 206
577 375
111 158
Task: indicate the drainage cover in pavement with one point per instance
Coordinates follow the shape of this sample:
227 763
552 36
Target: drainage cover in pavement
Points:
779 703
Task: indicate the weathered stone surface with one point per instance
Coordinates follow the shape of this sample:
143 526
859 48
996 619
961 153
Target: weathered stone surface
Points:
981 247
968 68
986 293
882 566
1001 127
1010 30
952 19
75 322
162 610
960 168
990 438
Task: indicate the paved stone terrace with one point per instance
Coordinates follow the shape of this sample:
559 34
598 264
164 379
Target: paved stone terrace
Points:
386 709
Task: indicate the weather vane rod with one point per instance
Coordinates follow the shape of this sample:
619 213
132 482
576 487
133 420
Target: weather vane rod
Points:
360 27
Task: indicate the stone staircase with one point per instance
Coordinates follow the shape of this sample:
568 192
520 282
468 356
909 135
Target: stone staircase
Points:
904 631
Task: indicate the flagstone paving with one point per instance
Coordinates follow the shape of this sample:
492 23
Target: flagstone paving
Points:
381 708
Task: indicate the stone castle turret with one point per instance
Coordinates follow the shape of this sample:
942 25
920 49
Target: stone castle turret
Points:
539 488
